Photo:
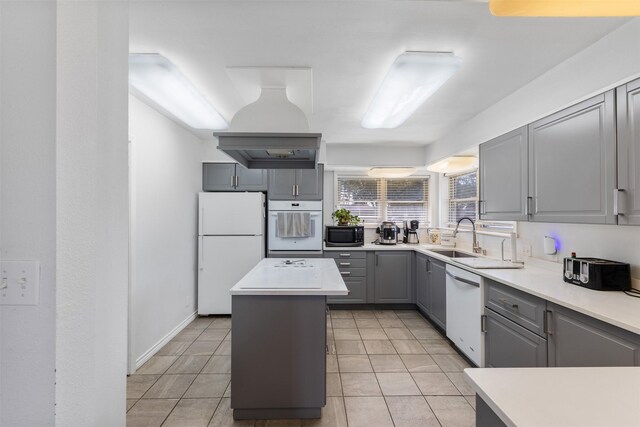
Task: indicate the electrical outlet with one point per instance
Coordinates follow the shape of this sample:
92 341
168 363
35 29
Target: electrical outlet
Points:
19 282
525 249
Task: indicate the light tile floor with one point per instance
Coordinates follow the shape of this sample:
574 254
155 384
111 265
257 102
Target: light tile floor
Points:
385 368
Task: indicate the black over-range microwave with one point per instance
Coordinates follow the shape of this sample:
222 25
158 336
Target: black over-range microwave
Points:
344 235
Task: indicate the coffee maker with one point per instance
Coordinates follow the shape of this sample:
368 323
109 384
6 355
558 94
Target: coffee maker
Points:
412 232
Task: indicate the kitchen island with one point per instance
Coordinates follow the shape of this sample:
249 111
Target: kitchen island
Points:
562 397
278 350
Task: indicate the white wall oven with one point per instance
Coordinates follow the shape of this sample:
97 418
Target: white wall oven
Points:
294 226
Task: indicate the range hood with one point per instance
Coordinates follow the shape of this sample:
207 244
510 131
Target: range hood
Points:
271 133
271 150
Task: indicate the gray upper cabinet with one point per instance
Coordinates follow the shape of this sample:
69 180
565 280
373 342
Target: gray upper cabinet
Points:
504 177
572 163
438 292
393 277
628 99
296 184
232 177
576 340
422 283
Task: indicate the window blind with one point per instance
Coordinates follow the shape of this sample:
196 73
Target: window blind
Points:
463 196
385 199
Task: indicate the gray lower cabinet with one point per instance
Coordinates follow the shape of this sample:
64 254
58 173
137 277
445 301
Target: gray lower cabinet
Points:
296 184
438 286
509 345
393 277
353 268
232 177
423 300
628 99
504 177
572 163
576 340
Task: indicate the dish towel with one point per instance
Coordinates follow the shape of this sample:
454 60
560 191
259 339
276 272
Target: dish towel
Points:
294 224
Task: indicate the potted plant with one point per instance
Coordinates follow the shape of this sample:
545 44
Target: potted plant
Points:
344 217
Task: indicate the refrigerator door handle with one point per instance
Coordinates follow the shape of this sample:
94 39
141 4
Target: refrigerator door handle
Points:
200 230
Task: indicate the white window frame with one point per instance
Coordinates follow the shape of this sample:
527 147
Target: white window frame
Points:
383 196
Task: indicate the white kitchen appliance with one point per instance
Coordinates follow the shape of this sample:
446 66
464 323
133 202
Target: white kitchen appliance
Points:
230 244
464 305
304 240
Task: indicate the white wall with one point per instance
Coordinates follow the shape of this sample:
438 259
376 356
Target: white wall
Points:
28 206
167 178
610 61
91 211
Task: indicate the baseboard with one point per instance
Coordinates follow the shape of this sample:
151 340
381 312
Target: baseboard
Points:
157 346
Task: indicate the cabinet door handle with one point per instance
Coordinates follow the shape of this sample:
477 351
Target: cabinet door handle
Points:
428 266
345 273
345 264
237 181
233 181
483 323
297 190
345 255
527 206
505 302
293 190
547 322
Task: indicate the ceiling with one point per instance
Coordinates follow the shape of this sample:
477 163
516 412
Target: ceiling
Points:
350 45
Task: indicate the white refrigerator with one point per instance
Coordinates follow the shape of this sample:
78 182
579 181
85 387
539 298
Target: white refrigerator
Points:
230 243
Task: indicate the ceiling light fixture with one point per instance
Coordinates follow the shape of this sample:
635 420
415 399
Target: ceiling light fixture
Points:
565 8
384 172
413 77
454 164
155 77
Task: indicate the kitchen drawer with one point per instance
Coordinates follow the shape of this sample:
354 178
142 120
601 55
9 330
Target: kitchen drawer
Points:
346 254
524 309
348 263
357 292
353 272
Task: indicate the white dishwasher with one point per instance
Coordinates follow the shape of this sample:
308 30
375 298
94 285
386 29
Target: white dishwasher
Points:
464 308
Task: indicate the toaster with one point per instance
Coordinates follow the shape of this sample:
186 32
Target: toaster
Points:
598 274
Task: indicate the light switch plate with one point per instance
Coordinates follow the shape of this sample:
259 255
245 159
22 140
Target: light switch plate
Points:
19 282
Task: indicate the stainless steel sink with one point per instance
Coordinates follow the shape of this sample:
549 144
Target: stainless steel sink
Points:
453 253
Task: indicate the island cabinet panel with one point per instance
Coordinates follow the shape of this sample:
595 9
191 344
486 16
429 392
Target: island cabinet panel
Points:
393 277
576 340
423 297
278 356
509 345
438 288
485 417
628 114
353 268
504 177
572 163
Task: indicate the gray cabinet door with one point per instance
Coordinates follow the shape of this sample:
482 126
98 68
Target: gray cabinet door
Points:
508 345
250 179
309 183
218 176
393 277
422 282
576 340
282 184
572 163
438 288
357 292
628 98
504 177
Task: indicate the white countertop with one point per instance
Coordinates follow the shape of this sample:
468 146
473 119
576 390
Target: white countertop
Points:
562 397
305 276
542 279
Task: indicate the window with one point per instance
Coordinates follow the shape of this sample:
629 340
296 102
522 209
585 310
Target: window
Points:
463 197
385 199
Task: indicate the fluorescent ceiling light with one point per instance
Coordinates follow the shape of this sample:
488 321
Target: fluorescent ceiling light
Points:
391 172
155 77
566 8
413 77
454 164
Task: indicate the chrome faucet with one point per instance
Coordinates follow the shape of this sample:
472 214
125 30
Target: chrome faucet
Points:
476 247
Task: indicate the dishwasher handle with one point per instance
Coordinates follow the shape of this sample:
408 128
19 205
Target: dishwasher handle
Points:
463 280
